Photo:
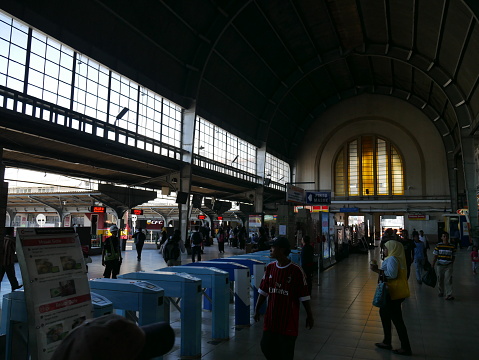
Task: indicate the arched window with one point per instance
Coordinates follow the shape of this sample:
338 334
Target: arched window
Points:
368 165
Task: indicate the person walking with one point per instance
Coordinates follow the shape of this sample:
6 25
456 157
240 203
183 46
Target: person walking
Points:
111 257
7 258
419 259
394 269
307 261
263 239
409 246
424 240
475 259
173 249
196 241
221 236
285 286
139 238
444 256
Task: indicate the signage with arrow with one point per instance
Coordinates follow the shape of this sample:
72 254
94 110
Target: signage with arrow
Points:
318 197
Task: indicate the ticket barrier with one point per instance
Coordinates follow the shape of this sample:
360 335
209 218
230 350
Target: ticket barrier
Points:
256 268
130 296
14 323
261 257
240 276
295 256
187 288
218 282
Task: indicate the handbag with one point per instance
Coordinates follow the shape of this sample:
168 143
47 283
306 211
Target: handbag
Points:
430 278
380 296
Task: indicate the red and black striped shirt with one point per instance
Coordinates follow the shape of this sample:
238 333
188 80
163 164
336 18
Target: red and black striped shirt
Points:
285 288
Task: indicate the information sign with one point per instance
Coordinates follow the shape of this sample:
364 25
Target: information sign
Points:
98 209
56 286
344 210
318 197
295 194
137 211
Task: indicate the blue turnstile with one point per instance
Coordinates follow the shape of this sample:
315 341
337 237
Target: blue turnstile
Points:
256 268
129 297
240 275
14 315
295 256
218 281
188 288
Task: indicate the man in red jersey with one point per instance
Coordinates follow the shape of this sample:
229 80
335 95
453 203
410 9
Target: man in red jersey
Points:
284 284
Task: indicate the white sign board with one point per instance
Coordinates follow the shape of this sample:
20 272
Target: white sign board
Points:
57 291
295 194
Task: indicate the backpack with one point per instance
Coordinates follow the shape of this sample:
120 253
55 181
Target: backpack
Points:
196 238
171 250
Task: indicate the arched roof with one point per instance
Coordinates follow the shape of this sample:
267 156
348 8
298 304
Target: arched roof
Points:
265 70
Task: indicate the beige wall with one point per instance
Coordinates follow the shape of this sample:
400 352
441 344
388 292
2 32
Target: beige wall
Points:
413 134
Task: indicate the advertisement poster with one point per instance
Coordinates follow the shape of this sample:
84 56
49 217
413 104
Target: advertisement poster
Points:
56 285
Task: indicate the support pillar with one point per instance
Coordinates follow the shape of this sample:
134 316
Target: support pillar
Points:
3 195
471 185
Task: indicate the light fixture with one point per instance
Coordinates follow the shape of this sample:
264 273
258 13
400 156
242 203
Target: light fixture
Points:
121 114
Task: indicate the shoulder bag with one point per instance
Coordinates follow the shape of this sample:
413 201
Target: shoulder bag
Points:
380 296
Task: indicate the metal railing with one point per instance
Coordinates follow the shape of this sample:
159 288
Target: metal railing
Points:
12 100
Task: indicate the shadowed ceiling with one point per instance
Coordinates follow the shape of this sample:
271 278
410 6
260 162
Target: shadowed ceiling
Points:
265 70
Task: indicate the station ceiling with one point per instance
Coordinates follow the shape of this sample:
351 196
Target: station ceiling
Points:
266 70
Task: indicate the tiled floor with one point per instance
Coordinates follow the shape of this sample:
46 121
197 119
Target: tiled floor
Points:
346 324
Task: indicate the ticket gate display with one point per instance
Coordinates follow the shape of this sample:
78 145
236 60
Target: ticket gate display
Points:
256 269
240 276
130 296
189 289
218 282
14 321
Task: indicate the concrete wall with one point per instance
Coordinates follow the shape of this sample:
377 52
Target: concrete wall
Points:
413 134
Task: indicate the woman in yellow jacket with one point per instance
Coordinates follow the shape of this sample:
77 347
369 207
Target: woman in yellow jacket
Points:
394 268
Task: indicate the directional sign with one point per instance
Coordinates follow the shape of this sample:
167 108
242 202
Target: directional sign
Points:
318 197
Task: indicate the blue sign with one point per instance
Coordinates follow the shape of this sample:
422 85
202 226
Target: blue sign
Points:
349 210
318 197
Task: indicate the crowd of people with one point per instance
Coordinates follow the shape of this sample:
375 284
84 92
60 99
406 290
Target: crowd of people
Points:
287 285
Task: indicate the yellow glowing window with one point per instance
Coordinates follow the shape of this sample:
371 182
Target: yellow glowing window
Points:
368 166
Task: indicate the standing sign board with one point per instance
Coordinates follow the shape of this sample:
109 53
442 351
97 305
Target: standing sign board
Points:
56 285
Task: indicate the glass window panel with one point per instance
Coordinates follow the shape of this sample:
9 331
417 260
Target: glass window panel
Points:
18 54
382 168
340 183
35 78
37 62
5 30
3 65
65 75
19 37
63 101
38 47
367 165
53 55
51 84
16 70
64 89
51 69
35 91
3 81
4 48
50 96
66 59
353 169
397 173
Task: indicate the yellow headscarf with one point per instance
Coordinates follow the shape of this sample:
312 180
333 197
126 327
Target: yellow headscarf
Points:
396 249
